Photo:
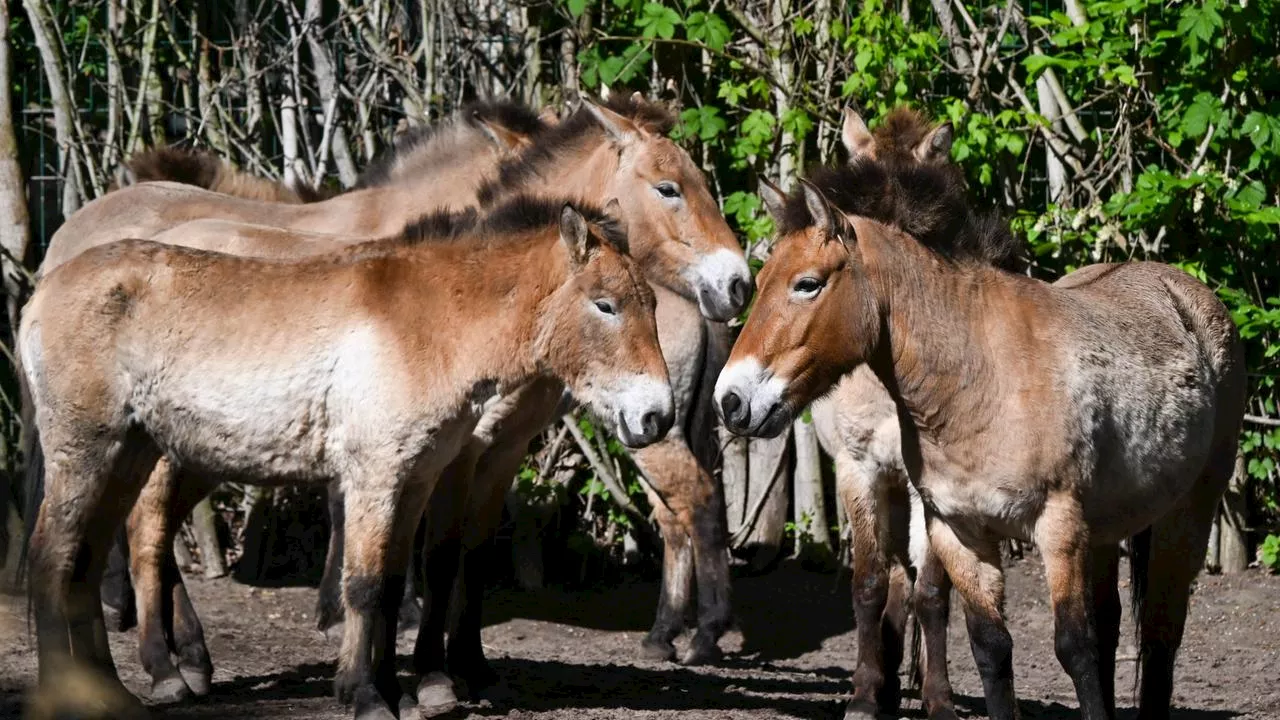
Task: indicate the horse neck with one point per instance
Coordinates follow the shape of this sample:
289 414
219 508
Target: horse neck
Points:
488 302
937 362
583 172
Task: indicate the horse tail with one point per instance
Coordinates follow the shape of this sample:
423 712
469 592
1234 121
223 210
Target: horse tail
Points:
1139 577
204 169
33 459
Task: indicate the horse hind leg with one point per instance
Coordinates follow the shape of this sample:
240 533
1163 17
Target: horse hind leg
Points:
931 599
1166 559
119 602
1105 572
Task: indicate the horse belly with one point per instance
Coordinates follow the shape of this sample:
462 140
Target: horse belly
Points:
270 426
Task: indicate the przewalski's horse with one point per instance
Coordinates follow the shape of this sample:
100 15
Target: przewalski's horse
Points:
375 380
685 231
202 168
1103 406
902 176
375 210
617 151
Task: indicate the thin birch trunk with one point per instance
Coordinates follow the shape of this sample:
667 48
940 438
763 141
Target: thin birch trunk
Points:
144 84
327 81
64 108
204 527
810 511
15 225
1233 535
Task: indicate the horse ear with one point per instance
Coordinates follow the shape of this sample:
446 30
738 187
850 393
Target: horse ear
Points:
637 98
613 209
855 136
936 146
775 200
574 234
824 216
620 130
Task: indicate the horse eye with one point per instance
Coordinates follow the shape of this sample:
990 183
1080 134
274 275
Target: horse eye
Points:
606 307
807 286
667 189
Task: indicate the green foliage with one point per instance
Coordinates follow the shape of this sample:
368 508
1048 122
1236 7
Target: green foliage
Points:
1269 553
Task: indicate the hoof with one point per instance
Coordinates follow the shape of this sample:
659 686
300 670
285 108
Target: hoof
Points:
701 654
651 649
200 681
369 705
436 695
170 689
860 710
942 712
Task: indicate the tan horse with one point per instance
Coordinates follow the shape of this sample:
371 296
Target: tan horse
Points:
375 379
902 176
682 241
1103 406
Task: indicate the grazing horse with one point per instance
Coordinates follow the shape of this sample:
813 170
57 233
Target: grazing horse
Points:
376 380
902 176
693 262
1077 414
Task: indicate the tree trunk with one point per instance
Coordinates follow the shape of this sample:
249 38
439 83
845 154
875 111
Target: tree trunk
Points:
813 537
733 475
259 528
15 227
327 80
1233 537
204 526
64 108
765 526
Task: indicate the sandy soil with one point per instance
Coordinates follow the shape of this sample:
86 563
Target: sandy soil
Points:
573 655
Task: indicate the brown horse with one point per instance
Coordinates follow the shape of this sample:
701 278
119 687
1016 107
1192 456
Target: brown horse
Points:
681 239
376 380
1079 413
902 176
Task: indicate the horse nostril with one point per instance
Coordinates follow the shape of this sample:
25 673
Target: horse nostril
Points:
731 406
739 293
651 423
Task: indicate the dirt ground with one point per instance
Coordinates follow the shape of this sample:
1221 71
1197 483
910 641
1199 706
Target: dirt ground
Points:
573 655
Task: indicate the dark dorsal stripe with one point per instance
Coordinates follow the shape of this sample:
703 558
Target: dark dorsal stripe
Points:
508 114
566 136
510 220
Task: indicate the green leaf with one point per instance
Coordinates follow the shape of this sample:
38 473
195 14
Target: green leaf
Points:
1202 111
577 7
657 20
708 29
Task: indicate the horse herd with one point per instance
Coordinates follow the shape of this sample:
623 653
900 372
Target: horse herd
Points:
405 341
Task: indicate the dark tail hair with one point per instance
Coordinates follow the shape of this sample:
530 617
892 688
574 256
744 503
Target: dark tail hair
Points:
33 460
1139 575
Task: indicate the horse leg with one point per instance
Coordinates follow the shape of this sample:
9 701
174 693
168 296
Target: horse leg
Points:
188 633
1063 539
931 599
441 549
89 488
366 662
151 535
119 607
974 568
1105 575
329 599
494 473
861 494
691 514
1166 559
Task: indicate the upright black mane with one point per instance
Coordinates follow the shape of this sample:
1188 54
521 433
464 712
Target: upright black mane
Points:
514 116
509 220
925 201
571 131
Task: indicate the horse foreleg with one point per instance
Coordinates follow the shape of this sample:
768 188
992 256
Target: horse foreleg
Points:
329 594
118 601
975 571
864 499
373 577
151 534
1063 539
931 598
691 516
